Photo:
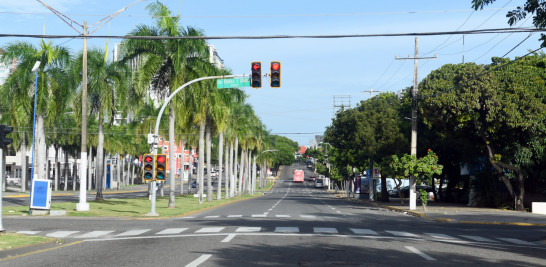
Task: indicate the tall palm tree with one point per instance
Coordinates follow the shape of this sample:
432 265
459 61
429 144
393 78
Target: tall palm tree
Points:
107 81
165 62
53 87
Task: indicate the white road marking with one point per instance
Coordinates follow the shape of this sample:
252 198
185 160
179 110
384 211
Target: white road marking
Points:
134 232
235 216
283 216
95 234
60 234
28 232
248 229
258 215
171 231
440 236
212 216
416 251
325 230
398 233
517 241
363 231
308 216
479 238
199 260
228 238
210 230
287 229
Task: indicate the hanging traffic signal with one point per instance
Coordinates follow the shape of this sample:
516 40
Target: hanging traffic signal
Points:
161 167
256 77
4 141
148 167
275 74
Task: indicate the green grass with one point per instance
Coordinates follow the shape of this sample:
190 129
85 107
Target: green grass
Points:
12 240
135 207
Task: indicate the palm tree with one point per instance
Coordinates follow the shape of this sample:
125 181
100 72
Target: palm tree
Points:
53 88
107 81
165 63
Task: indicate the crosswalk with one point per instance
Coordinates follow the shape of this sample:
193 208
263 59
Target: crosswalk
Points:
302 191
234 230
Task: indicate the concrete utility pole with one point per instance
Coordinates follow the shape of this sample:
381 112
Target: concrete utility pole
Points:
413 196
371 91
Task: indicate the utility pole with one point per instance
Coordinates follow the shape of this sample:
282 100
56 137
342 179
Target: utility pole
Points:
83 205
371 91
413 196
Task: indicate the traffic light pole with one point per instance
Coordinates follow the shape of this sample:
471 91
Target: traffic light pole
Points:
157 122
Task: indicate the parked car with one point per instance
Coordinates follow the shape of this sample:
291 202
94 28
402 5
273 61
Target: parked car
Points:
311 178
12 181
319 183
405 190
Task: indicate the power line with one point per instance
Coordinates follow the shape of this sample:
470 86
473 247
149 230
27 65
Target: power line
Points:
331 36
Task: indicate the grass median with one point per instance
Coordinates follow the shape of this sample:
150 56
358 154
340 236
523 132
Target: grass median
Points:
12 240
136 207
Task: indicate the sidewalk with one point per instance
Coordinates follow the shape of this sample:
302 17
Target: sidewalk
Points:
459 213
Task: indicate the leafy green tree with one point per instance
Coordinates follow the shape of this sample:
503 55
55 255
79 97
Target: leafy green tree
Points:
534 7
502 111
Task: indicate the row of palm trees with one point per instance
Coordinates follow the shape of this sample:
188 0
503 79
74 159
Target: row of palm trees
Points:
195 116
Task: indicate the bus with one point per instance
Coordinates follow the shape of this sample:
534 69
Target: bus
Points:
298 176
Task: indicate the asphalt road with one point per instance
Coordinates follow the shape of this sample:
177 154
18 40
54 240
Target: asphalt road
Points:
294 224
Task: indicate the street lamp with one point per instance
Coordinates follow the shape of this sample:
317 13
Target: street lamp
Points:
253 187
35 70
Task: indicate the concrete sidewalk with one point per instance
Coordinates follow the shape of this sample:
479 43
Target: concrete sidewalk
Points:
460 213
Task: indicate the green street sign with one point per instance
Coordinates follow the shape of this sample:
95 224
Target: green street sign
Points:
233 82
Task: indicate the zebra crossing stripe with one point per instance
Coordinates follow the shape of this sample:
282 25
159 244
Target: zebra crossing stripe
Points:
325 230
134 232
479 238
283 216
517 241
363 231
210 230
93 234
248 229
61 234
287 229
212 216
308 216
440 236
259 215
398 233
235 216
172 231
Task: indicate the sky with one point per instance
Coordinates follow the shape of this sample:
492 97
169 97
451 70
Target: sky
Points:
318 75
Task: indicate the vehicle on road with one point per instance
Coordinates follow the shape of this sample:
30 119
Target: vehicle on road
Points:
13 181
319 183
298 176
311 178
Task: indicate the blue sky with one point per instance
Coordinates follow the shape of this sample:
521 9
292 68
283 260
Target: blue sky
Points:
313 70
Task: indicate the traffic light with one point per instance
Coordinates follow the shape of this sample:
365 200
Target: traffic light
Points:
161 167
4 141
256 77
275 74
148 167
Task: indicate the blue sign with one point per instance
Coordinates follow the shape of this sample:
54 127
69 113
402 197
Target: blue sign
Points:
41 194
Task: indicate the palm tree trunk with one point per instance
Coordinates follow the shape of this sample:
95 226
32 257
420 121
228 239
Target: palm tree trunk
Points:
89 164
99 169
253 187
226 173
241 173
66 174
172 158
182 158
230 171
220 150
209 162
74 176
201 156
24 168
57 169
236 151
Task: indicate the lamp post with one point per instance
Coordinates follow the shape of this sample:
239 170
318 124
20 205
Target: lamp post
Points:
253 187
35 70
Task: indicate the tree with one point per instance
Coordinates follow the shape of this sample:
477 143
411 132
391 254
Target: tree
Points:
166 62
53 89
534 7
501 110
108 83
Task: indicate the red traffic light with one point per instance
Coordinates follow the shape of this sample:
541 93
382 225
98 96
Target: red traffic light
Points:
161 159
256 66
148 158
275 66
